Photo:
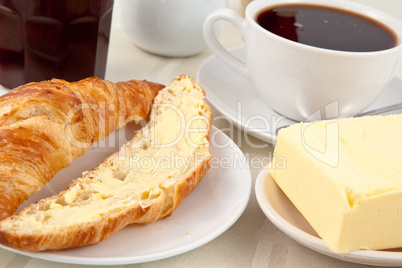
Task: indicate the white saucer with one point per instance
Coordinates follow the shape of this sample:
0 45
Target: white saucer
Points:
236 99
284 215
215 205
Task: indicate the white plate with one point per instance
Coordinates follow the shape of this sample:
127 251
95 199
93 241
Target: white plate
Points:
236 99
284 215
217 202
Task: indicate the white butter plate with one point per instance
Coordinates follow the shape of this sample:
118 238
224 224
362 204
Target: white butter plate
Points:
237 100
284 215
215 205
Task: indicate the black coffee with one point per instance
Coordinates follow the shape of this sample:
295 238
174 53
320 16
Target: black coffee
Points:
327 28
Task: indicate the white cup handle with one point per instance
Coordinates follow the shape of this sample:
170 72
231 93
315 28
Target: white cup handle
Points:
216 47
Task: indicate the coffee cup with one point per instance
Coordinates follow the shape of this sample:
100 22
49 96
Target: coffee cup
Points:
298 79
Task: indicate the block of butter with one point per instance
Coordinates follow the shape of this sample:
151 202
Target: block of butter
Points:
345 177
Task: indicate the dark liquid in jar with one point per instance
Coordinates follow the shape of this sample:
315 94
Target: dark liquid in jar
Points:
328 28
44 39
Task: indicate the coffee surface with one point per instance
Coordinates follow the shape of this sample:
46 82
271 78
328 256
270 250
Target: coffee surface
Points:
328 28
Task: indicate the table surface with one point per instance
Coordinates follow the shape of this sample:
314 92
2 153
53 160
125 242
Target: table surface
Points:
253 241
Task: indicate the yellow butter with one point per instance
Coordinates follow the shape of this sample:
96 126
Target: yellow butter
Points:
345 177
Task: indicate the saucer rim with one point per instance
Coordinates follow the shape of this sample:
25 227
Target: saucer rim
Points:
267 135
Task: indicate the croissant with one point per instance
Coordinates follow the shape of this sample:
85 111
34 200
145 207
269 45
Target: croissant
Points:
45 125
144 182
